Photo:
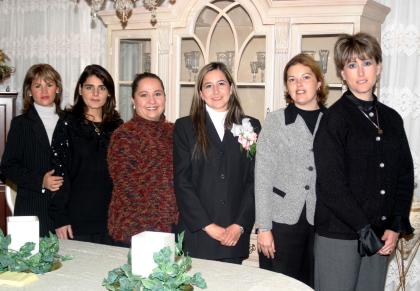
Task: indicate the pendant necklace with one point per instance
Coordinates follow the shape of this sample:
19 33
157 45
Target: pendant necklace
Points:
97 130
377 125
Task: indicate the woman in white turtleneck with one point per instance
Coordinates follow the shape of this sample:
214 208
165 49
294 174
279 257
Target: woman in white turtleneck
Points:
29 156
213 175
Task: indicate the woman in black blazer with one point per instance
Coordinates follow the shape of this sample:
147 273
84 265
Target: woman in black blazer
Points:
27 160
214 177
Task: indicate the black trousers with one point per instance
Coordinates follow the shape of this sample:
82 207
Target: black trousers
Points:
294 254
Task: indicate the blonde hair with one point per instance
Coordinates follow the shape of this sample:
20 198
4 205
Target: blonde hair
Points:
362 45
44 72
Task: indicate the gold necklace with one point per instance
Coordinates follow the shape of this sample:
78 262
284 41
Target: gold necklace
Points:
96 128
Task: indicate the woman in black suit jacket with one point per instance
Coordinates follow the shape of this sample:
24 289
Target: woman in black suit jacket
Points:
214 177
28 159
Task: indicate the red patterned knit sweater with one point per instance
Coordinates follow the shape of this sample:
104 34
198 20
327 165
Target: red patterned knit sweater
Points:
140 164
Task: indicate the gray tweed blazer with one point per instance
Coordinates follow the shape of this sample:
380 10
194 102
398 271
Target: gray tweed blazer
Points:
285 172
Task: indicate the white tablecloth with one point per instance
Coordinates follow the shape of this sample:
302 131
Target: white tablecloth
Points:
92 262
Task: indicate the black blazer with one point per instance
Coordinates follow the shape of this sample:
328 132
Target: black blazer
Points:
219 189
26 159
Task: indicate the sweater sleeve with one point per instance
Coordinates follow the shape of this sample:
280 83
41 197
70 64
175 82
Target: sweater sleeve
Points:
332 179
263 175
123 161
190 208
13 164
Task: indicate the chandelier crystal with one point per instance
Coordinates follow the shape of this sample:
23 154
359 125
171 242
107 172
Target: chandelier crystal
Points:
152 5
124 8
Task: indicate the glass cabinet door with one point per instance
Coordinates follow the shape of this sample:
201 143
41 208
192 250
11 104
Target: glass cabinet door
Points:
318 40
224 32
134 58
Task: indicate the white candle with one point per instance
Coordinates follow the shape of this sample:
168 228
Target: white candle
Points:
23 229
144 245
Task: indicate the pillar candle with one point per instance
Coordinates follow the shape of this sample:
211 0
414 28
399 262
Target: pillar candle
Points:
144 245
23 229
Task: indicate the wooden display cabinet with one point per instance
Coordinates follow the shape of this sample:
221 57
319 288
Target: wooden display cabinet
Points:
278 28
7 112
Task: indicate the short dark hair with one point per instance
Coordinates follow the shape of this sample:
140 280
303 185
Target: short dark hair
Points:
307 61
44 72
362 45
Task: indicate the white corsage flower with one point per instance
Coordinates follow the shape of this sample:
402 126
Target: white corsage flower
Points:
247 138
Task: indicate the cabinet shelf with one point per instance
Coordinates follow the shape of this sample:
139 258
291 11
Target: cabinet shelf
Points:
187 83
335 85
251 84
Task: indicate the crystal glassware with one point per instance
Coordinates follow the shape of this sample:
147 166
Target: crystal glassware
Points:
230 60
309 53
188 63
147 62
254 70
221 57
323 60
195 63
261 64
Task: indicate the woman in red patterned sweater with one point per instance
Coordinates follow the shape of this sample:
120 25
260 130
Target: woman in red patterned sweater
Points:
140 164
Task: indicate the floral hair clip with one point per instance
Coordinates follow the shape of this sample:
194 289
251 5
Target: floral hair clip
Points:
246 137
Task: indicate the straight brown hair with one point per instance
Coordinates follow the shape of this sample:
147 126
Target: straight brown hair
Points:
198 108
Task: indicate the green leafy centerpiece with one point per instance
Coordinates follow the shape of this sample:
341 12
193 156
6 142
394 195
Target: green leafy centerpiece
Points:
167 276
23 261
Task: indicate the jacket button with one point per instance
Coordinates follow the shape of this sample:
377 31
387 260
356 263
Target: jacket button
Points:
378 138
310 168
307 187
222 176
381 165
383 218
222 202
382 192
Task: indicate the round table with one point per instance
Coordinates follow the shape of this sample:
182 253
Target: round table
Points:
92 262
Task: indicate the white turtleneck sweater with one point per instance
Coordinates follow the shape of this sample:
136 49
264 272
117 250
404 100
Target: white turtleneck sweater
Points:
218 119
49 118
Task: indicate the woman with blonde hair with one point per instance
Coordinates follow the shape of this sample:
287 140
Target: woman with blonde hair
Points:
28 159
365 176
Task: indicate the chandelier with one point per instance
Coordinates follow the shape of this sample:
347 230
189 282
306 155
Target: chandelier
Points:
124 8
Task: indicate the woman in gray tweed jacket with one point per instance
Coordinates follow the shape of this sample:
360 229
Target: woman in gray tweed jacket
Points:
285 173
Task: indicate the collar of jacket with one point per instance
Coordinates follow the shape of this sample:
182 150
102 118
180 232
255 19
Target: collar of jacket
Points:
33 114
361 104
291 112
